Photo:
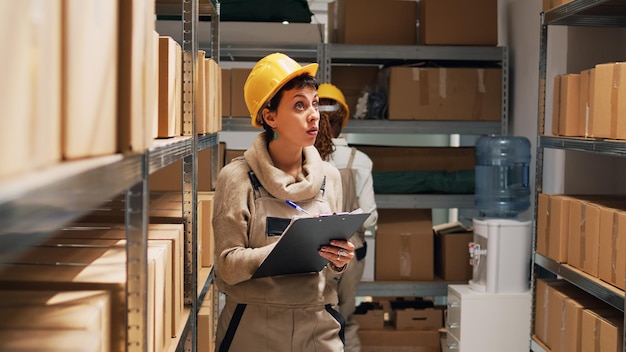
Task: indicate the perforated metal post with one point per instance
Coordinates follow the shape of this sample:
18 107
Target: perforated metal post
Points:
137 262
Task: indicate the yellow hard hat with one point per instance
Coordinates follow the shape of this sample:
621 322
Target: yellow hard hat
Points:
330 91
267 76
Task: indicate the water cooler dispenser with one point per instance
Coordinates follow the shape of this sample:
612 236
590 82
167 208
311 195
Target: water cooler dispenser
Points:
492 313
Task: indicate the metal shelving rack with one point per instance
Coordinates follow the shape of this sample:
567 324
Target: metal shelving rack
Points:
329 54
190 11
36 204
589 13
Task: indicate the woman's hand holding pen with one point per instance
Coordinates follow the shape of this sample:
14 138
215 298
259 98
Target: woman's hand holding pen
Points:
339 252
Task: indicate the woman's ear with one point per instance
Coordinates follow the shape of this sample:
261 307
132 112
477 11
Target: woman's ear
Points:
268 117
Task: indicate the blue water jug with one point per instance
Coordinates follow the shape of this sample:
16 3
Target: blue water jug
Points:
502 173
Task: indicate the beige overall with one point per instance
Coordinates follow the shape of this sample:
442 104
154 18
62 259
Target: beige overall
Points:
347 282
296 311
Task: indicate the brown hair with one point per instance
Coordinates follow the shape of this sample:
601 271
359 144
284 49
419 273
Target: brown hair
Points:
324 140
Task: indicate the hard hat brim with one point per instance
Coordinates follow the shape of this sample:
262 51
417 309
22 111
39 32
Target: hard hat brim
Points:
311 69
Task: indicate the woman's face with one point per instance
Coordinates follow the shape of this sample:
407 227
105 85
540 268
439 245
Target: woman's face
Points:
297 118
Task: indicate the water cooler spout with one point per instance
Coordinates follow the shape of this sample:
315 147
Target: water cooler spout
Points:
474 254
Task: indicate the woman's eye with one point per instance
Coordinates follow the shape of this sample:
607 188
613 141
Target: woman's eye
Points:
299 106
315 105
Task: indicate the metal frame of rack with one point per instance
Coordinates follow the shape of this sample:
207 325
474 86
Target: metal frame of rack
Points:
593 13
55 196
328 54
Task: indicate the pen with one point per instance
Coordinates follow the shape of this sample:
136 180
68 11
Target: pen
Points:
296 206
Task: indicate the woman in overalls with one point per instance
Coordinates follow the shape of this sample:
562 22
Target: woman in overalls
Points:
297 312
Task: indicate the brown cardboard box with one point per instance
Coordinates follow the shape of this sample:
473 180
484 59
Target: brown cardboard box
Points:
214 96
601 330
152 91
452 256
226 92
60 311
231 154
391 340
543 221
404 245
89 71
542 304
238 78
468 94
170 88
170 178
98 275
53 340
369 316
591 239
200 102
586 97
156 232
415 315
30 103
556 105
85 252
569 105
559 228
355 22
604 102
458 22
136 27
611 264
575 243
420 158
618 110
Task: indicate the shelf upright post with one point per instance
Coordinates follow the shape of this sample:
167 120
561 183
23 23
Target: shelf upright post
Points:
215 54
505 91
136 220
543 51
323 58
190 164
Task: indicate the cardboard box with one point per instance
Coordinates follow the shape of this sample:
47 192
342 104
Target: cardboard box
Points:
404 245
354 22
604 102
30 103
558 233
238 77
200 102
569 105
601 330
89 77
442 94
136 27
391 340
60 311
586 97
415 315
458 22
369 316
556 105
420 158
156 232
612 263
452 256
53 340
226 92
543 221
97 275
232 153
170 88
170 178
108 252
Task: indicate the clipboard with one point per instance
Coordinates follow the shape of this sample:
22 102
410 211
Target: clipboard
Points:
296 252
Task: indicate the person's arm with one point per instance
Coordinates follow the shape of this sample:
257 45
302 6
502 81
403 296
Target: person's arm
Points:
235 260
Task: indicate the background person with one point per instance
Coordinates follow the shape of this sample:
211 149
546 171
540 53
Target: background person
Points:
358 192
290 312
